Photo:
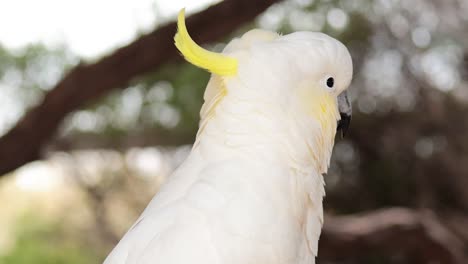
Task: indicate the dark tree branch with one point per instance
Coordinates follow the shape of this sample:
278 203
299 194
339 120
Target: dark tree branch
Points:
85 83
394 230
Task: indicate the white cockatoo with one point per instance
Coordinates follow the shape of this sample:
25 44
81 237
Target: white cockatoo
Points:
251 189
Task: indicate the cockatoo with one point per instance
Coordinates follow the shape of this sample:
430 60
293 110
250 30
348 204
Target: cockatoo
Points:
251 189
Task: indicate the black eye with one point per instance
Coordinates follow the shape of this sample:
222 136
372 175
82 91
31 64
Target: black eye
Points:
330 82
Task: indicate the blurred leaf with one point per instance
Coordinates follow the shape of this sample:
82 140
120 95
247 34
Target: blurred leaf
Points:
40 242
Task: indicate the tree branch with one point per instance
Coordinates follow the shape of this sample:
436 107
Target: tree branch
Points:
85 83
395 230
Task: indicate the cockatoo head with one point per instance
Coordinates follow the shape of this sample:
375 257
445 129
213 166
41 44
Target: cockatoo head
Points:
289 90
307 69
311 66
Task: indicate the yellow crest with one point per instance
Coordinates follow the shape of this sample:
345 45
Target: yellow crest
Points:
214 62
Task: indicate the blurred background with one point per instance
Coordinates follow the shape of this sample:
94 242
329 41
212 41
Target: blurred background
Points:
97 108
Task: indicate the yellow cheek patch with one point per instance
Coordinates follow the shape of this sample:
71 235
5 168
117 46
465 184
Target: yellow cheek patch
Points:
317 103
214 62
321 106
328 112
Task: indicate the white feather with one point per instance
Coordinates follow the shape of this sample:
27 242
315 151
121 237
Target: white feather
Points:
251 189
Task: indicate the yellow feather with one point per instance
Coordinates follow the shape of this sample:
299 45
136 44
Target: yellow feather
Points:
322 106
214 62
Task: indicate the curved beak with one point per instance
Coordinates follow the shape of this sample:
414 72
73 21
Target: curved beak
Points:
345 109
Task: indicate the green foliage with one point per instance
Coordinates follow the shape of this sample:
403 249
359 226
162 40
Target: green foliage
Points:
35 66
25 75
42 242
189 84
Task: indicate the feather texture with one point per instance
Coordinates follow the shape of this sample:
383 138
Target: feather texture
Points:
251 189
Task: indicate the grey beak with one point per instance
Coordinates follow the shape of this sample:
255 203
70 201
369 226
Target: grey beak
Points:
345 109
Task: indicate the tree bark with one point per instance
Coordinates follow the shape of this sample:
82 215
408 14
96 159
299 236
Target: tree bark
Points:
85 83
396 230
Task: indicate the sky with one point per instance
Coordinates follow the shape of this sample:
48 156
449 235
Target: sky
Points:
88 27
